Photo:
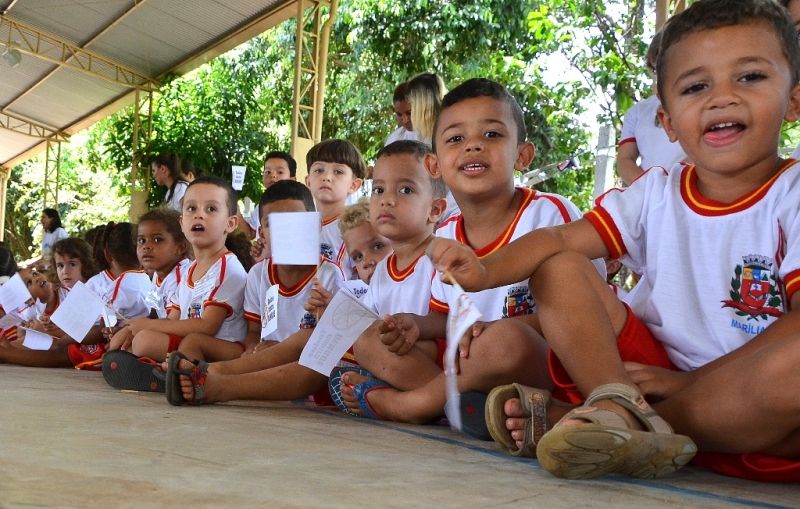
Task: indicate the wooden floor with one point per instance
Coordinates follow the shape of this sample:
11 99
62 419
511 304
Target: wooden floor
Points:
69 440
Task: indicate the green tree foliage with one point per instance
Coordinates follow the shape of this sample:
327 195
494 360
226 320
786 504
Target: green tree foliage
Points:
237 107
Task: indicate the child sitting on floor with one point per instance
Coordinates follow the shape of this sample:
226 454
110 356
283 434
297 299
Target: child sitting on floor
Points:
206 310
479 141
268 373
715 349
365 246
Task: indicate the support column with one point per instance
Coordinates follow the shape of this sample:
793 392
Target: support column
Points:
142 135
310 65
5 174
52 173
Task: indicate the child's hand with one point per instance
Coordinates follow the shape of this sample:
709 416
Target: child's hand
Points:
121 340
458 260
656 382
466 340
399 333
137 325
318 298
263 345
60 342
259 250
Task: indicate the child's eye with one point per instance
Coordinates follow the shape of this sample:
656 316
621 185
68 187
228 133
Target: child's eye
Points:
377 190
59 265
211 209
693 88
753 76
454 139
157 240
492 134
357 257
339 172
378 246
140 241
190 208
406 190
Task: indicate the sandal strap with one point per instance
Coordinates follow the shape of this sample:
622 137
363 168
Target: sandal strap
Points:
632 400
535 403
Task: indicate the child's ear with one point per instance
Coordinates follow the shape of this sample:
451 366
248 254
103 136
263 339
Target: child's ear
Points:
666 123
438 208
355 185
233 223
431 163
525 154
793 109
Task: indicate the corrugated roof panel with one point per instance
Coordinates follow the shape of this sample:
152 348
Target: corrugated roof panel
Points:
13 81
75 21
57 101
14 143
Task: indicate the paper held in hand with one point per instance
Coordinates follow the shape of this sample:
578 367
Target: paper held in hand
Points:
342 322
460 318
294 238
36 340
14 294
79 312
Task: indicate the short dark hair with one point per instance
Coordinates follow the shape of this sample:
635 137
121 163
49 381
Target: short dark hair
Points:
711 14
278 154
340 152
482 87
53 214
230 194
287 190
652 52
119 239
171 219
77 248
8 265
400 93
418 150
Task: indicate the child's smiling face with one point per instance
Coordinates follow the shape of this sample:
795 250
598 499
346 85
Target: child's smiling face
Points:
477 149
725 99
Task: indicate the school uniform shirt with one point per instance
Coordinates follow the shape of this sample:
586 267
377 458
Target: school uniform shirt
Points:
401 133
167 287
640 126
332 247
222 286
126 293
536 210
49 240
715 274
174 201
291 314
394 291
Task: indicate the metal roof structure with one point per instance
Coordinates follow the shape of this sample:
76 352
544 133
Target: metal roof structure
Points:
65 64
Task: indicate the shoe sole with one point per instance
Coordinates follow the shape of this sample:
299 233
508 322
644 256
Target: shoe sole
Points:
123 370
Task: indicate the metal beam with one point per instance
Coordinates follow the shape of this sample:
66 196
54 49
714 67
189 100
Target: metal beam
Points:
34 42
142 135
667 8
5 174
28 127
84 45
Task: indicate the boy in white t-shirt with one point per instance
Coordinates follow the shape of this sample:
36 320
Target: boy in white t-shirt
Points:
479 141
271 371
206 315
278 166
335 171
712 336
643 142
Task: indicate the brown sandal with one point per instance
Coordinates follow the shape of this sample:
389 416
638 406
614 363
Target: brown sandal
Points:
605 444
535 403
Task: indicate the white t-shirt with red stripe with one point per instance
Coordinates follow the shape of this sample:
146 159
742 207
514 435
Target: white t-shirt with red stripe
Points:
166 288
536 210
332 247
640 126
222 286
126 293
392 290
291 314
715 274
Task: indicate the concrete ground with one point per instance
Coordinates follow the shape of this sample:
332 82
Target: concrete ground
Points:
69 440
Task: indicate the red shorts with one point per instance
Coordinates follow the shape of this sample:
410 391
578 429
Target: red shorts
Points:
174 343
88 357
637 344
